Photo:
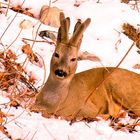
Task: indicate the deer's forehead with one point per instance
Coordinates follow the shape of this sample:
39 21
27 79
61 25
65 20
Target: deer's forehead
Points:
71 50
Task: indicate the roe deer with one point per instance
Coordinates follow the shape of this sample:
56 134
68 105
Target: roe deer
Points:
89 93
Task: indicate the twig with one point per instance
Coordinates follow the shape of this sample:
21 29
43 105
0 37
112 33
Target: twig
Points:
15 117
109 73
135 123
40 25
34 134
10 24
33 42
37 34
118 41
8 6
49 132
14 39
54 1
4 4
68 137
6 118
44 70
26 136
43 41
5 137
136 5
28 84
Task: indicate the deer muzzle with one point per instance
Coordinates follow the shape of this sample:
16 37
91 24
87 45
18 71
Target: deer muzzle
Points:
60 73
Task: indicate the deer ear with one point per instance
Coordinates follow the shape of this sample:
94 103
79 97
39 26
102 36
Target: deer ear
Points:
63 29
78 32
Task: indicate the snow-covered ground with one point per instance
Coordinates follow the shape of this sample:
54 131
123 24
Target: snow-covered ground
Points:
100 39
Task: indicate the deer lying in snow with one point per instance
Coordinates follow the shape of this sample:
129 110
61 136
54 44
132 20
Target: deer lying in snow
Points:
89 93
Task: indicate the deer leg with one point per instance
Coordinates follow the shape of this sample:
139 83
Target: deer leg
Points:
88 110
113 108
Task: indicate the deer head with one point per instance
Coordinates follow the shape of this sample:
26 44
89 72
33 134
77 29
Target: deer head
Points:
64 59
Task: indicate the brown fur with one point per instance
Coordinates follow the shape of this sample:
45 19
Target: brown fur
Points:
87 94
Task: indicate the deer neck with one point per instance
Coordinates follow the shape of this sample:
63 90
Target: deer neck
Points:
55 90
56 85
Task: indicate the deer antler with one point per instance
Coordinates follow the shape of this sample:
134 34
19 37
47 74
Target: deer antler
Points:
63 29
78 32
77 25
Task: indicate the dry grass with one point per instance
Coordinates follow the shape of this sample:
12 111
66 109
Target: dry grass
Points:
132 33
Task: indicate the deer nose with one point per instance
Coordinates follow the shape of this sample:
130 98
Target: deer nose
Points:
60 73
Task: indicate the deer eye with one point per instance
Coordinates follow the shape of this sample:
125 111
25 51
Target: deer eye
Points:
73 59
56 55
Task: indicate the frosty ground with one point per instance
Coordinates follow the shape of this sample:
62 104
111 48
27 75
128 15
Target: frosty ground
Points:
103 38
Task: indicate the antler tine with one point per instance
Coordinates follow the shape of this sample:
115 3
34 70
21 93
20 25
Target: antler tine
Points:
75 28
63 29
78 33
61 17
67 26
77 25
59 36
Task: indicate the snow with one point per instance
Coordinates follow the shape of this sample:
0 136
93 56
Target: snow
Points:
100 39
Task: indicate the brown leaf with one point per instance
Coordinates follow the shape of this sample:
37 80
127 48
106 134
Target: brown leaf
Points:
19 67
132 33
11 55
14 103
2 75
2 120
5 132
21 10
27 49
32 79
136 66
125 1
137 124
2 114
91 119
121 115
29 52
105 116
88 56
48 34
